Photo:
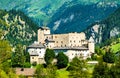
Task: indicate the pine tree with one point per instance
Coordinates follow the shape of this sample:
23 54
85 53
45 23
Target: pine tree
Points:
62 60
49 56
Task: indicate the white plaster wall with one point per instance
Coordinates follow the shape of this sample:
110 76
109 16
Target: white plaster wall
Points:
91 47
50 45
34 59
46 31
75 53
40 51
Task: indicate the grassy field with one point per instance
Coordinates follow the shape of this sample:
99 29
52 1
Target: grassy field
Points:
62 73
115 47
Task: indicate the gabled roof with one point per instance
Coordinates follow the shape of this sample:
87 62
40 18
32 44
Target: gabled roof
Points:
70 48
49 40
36 45
25 71
44 28
91 39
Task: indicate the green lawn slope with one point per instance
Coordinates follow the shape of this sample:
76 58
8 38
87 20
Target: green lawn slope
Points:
115 48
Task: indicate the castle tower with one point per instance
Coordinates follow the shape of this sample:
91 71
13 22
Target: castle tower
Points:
42 31
91 45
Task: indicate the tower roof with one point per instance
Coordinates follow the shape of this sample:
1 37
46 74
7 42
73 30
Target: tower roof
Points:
91 39
44 28
36 45
71 48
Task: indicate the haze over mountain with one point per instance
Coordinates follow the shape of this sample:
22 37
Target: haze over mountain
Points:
65 15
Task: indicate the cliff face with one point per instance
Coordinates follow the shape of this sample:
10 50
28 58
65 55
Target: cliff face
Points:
76 16
109 27
16 27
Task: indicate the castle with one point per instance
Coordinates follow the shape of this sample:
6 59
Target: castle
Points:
72 44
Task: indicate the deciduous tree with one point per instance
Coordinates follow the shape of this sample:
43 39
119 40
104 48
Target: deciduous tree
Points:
78 69
101 70
18 57
109 57
115 69
49 72
5 51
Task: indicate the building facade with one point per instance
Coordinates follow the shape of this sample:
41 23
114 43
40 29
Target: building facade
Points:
37 52
72 44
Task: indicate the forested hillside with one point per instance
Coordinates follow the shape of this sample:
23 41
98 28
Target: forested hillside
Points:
106 29
16 27
76 17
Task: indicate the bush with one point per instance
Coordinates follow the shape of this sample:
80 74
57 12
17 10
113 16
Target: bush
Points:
27 65
34 63
94 56
109 57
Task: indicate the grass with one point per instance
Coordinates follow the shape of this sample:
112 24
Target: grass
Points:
62 73
90 69
115 47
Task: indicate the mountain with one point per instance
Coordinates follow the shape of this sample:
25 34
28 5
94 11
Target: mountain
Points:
16 27
65 15
76 16
39 10
106 29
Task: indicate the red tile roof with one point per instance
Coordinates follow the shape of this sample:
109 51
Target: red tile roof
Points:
25 71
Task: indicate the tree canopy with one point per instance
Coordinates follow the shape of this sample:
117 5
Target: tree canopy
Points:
5 51
101 70
109 57
49 56
78 69
62 60
18 57
49 72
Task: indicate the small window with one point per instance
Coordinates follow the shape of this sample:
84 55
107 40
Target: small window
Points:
32 57
55 36
40 52
56 41
61 41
